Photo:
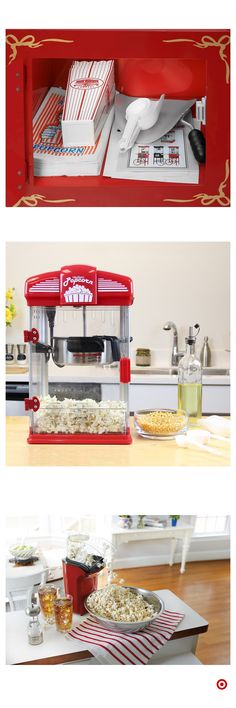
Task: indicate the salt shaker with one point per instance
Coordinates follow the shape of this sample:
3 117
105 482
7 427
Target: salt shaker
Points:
34 630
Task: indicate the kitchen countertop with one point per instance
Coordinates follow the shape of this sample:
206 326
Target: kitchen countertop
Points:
57 648
142 452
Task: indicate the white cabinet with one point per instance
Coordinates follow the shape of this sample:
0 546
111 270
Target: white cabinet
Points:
215 399
153 396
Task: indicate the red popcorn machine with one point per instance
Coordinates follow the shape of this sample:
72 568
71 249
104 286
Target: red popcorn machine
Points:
79 317
81 569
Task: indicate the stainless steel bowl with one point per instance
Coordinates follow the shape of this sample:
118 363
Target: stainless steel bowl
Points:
106 351
131 627
62 356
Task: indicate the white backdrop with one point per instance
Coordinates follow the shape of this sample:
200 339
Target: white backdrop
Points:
184 282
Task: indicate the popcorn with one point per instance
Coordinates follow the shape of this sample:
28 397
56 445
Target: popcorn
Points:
78 293
120 605
73 416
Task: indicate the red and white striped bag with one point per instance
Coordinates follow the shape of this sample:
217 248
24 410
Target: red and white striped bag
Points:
110 647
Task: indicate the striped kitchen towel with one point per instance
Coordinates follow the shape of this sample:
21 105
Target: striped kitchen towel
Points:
111 647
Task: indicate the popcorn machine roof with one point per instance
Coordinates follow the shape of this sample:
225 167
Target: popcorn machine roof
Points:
79 285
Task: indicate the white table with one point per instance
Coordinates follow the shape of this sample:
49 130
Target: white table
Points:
58 649
149 533
20 581
14 572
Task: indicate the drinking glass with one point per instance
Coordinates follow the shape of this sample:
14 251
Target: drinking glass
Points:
47 595
63 608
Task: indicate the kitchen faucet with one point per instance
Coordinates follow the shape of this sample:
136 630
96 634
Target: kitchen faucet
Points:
175 354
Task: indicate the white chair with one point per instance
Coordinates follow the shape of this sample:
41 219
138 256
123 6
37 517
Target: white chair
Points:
51 550
19 590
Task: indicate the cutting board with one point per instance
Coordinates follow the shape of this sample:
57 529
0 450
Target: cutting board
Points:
16 369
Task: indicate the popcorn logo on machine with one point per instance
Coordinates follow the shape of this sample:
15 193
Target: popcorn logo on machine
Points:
77 292
86 84
78 286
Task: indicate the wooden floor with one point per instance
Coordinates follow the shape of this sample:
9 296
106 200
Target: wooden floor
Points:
205 586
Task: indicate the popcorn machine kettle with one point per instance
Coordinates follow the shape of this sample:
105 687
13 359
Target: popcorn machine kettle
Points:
78 316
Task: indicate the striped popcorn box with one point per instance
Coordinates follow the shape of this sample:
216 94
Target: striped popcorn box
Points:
110 647
86 298
78 293
89 94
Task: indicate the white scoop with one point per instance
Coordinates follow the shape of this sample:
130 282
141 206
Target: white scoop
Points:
216 424
141 114
203 436
190 440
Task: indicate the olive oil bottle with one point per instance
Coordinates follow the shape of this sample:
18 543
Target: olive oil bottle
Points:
190 378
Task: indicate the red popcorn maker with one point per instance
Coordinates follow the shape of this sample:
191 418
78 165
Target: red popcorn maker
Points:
79 582
78 316
81 569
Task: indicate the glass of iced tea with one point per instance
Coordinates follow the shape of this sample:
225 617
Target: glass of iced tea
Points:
63 608
47 595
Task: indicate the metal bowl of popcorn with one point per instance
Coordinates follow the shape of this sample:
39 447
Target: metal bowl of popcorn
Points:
124 608
160 424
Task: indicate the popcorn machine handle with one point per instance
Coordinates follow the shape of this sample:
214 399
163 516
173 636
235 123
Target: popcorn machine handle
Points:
197 142
115 347
198 145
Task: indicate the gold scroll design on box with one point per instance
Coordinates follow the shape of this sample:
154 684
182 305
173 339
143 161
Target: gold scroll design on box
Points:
33 199
209 199
29 41
206 42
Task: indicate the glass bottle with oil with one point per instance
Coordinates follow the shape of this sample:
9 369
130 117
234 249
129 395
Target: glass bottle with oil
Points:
190 378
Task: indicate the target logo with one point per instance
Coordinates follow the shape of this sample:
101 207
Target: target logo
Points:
222 684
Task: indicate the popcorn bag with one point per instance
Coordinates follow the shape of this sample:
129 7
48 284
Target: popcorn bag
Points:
89 94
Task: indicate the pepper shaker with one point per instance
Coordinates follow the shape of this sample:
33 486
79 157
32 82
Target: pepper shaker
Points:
34 629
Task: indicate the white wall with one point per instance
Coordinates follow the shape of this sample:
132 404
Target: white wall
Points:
185 282
147 553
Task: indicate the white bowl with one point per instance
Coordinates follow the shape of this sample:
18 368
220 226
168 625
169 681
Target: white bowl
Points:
22 552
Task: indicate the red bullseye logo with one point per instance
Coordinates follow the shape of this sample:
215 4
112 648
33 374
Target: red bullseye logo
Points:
222 684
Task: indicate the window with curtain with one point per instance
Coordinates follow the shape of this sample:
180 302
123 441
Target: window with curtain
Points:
211 525
19 528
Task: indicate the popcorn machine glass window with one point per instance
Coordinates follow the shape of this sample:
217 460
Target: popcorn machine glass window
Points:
78 317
